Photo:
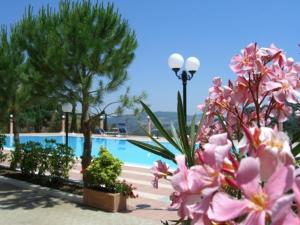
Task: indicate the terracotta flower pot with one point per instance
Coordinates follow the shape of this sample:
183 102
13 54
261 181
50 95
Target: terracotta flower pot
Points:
110 202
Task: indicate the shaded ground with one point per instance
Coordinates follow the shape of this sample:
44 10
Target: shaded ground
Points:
28 207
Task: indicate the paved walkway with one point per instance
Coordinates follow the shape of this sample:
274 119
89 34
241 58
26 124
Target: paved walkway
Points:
26 206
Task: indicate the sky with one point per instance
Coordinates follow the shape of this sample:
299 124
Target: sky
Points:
213 31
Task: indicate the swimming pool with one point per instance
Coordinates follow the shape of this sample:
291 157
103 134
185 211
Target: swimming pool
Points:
122 149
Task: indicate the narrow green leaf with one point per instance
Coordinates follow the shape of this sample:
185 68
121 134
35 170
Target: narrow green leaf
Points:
154 139
193 136
182 130
296 137
158 143
176 137
154 149
159 126
296 150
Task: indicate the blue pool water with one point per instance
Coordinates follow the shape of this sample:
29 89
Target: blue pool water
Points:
121 149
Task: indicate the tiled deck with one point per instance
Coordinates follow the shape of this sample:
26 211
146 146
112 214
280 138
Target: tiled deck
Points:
152 203
27 205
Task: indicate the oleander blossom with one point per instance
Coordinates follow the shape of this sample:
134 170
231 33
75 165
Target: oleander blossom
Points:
266 84
160 170
271 146
194 187
258 203
242 169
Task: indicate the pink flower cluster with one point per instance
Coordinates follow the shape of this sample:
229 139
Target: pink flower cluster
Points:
260 189
244 171
266 82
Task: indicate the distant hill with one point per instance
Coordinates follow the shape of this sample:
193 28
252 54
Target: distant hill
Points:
133 125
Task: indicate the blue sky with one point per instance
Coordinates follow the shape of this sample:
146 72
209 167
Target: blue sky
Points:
212 31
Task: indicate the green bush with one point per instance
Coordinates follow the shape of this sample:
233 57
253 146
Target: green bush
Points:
3 156
2 141
54 158
32 158
103 171
60 159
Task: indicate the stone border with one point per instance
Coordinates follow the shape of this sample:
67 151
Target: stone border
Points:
127 137
49 191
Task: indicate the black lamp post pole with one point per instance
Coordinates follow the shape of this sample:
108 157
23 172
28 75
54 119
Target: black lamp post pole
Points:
184 78
67 129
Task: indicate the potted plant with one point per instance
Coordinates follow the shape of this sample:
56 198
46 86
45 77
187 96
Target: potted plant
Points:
102 189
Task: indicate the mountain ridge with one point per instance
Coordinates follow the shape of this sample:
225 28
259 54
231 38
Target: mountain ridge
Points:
135 126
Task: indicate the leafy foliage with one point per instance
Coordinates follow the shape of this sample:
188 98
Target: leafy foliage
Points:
32 158
184 143
3 156
60 159
125 189
2 141
103 170
54 158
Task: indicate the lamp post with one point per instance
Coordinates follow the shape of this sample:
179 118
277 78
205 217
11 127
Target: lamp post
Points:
102 117
149 125
67 108
11 124
192 64
63 123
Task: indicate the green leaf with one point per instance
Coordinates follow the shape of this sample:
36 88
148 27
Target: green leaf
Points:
182 131
154 149
176 137
296 150
159 126
296 137
193 135
156 141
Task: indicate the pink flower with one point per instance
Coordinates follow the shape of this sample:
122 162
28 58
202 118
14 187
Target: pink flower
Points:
194 186
281 112
296 187
240 64
271 146
258 203
160 170
282 213
193 190
283 85
289 219
216 150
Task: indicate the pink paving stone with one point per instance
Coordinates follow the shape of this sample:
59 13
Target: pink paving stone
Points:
140 207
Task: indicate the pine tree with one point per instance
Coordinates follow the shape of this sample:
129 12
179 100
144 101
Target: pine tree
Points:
85 44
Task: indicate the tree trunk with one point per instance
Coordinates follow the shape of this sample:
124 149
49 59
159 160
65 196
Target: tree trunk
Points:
17 153
87 145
